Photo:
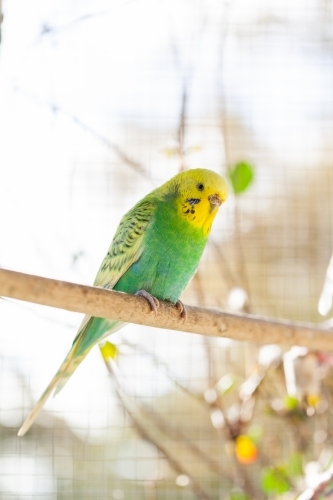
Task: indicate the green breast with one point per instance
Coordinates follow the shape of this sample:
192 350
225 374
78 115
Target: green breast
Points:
171 254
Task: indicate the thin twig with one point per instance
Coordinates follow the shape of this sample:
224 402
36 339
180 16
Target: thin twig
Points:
135 165
54 30
168 373
224 123
172 431
181 130
175 464
241 260
206 340
228 275
162 424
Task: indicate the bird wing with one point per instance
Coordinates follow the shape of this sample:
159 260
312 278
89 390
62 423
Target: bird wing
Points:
126 248
127 244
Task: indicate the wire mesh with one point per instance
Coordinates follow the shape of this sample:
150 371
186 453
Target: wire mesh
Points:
100 103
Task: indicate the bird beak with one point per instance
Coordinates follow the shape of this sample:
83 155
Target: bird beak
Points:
214 199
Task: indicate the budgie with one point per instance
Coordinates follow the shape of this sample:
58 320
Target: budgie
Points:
154 253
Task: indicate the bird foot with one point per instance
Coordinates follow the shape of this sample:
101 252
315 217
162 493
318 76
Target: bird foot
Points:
153 302
182 309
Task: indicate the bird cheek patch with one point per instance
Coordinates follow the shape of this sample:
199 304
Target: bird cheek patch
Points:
189 211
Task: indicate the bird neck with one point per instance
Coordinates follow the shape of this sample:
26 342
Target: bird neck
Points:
198 218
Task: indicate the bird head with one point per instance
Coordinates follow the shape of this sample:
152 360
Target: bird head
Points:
198 194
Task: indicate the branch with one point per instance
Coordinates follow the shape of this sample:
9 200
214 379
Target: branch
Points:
145 434
132 309
181 130
114 147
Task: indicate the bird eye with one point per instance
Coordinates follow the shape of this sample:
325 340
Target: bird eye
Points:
200 187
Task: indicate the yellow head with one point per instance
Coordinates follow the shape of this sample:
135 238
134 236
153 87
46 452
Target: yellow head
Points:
198 194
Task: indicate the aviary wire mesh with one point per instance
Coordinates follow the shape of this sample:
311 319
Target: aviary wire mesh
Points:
100 102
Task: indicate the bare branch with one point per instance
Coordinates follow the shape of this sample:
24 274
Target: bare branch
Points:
166 370
241 258
181 131
171 431
137 166
121 154
132 309
146 435
54 30
206 341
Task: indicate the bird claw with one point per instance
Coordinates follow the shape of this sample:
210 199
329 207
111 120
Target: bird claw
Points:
152 301
182 309
154 304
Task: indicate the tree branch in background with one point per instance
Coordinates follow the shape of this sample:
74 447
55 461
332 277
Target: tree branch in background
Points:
181 131
138 167
144 434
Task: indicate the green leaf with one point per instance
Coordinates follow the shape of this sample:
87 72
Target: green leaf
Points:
241 176
294 465
274 481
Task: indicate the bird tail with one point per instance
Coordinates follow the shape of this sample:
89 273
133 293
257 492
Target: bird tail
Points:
91 331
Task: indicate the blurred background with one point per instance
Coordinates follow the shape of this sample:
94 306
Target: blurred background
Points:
100 102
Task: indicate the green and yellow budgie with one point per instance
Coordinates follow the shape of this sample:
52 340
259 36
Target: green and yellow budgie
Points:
154 253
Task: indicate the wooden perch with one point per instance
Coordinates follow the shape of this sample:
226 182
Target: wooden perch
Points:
132 309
